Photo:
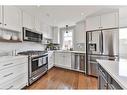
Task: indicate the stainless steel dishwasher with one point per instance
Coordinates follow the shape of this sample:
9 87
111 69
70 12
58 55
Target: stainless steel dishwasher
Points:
79 62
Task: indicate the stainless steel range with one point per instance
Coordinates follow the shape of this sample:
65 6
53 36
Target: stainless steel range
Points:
38 64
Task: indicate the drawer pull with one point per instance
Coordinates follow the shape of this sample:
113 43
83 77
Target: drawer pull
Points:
8 75
8 64
10 87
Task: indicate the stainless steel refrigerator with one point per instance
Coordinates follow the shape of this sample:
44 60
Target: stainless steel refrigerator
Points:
102 44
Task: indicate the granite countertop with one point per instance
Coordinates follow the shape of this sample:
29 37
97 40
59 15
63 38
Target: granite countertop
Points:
117 70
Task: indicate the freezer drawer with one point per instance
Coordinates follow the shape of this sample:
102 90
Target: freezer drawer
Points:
95 57
92 68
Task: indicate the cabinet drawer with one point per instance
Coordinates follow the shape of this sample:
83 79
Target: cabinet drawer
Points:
18 82
12 63
12 72
114 84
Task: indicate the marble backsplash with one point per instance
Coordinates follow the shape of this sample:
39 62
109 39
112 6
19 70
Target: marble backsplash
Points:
9 48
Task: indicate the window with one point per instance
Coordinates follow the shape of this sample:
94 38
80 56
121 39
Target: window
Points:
67 40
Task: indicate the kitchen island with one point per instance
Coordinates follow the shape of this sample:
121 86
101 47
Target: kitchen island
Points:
114 72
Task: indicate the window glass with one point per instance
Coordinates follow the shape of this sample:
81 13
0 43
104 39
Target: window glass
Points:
67 40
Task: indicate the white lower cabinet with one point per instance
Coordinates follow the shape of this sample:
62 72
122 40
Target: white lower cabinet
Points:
12 72
63 59
58 59
50 59
67 60
16 83
15 73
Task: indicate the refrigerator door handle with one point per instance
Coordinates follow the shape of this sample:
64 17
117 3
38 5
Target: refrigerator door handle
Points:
100 43
102 48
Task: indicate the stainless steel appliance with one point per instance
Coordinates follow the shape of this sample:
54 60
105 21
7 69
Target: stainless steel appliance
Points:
38 64
30 35
102 44
78 62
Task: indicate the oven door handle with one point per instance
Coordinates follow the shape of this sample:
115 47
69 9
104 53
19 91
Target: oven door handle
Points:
34 59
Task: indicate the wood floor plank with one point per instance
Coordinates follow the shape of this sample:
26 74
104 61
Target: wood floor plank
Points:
83 84
58 78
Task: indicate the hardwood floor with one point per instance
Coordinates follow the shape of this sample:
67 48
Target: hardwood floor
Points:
58 78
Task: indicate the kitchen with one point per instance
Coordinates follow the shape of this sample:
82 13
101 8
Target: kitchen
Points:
42 48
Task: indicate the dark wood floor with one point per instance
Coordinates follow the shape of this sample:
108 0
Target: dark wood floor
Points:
58 78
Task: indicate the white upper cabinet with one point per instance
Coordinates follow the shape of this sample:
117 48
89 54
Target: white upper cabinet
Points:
93 23
46 30
109 20
12 18
49 30
37 25
123 17
80 34
104 21
55 32
28 20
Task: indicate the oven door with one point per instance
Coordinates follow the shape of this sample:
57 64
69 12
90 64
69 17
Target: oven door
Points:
38 62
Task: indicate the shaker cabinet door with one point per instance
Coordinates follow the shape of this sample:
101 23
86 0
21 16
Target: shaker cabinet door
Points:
93 23
12 18
109 20
28 21
67 60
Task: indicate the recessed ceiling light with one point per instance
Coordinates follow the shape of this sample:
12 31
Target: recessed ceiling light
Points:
82 14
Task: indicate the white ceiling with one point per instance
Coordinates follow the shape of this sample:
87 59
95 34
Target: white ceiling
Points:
62 15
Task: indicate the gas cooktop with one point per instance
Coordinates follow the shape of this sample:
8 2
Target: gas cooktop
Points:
32 52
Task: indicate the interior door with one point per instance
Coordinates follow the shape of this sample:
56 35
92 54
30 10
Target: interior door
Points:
110 42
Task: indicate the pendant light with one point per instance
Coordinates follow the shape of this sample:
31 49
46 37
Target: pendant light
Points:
66 28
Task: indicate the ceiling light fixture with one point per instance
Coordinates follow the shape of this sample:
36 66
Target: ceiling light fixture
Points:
66 28
82 14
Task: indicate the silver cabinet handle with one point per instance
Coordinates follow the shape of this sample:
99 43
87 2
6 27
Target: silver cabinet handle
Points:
10 87
5 24
8 75
8 64
0 23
